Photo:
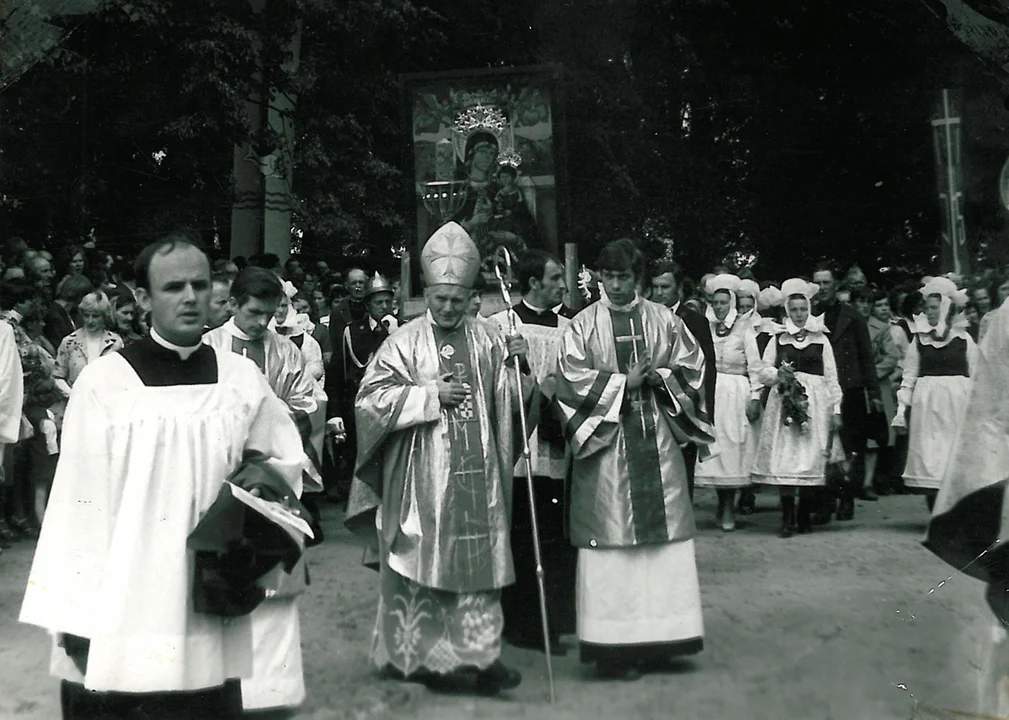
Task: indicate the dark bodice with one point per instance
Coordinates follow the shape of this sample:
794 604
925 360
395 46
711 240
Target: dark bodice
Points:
950 360
808 360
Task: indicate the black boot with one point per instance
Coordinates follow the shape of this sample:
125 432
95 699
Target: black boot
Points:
824 502
803 516
747 502
787 517
846 508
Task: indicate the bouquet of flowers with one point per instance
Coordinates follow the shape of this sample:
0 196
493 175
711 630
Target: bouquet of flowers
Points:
794 401
40 389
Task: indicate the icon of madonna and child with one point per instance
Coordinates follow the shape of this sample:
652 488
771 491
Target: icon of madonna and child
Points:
475 148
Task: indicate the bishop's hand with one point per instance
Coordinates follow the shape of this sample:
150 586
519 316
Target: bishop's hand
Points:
636 377
451 392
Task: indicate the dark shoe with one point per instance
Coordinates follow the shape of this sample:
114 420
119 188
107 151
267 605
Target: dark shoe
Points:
497 678
23 528
868 495
846 509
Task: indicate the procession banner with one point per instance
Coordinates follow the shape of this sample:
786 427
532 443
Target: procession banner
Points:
485 151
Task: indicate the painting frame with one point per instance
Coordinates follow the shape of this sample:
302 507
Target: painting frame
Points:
546 208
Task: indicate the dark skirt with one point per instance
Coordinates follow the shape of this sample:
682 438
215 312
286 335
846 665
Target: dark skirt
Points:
523 623
220 703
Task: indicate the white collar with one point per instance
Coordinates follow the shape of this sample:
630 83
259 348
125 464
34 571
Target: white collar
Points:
232 328
183 351
607 303
537 310
675 308
372 322
814 324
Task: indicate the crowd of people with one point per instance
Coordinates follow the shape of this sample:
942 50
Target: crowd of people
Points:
815 391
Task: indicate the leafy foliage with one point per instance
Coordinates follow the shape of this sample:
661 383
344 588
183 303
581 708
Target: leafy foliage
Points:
717 130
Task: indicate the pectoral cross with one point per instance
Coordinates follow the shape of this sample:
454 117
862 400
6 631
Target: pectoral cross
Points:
639 400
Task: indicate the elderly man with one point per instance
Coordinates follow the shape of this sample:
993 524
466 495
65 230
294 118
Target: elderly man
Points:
433 481
150 435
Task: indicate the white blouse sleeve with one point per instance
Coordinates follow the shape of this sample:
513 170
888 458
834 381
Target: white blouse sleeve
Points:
909 370
768 373
754 364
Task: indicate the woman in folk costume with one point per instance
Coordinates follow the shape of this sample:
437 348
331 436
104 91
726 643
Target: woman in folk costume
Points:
795 432
764 320
737 397
969 521
746 297
935 385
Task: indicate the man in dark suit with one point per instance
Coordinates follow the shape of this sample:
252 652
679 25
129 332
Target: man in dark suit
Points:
856 373
666 280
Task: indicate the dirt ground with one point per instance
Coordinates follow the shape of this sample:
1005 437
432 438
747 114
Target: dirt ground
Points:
856 620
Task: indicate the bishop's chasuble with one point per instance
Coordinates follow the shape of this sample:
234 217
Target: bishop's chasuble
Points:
432 494
631 516
150 434
278 679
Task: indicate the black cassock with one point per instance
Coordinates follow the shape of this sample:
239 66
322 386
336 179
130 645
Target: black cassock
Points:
520 602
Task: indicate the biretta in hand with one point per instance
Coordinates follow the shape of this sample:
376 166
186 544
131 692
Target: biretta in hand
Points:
241 538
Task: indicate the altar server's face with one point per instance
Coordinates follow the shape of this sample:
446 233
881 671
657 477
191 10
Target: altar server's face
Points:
253 317
179 298
745 303
448 304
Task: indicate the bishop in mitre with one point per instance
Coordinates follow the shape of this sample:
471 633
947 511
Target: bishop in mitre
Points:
630 381
433 481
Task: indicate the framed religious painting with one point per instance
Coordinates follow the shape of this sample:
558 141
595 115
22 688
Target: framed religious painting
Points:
486 151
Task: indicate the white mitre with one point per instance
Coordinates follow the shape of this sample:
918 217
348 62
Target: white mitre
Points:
450 257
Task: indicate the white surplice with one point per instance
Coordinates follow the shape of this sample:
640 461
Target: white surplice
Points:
139 467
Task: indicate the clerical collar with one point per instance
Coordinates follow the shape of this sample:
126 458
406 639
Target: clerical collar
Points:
675 308
237 331
607 303
183 351
537 310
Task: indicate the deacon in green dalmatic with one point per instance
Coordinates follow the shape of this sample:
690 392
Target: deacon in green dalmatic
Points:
630 386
